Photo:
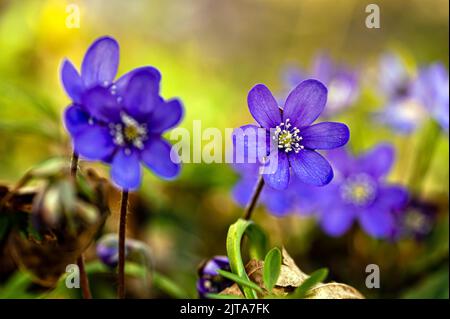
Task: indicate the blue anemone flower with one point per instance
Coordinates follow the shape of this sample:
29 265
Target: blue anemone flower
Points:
209 280
431 88
107 250
360 192
342 82
403 111
121 122
292 139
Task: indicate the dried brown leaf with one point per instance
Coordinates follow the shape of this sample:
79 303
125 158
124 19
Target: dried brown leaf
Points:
292 277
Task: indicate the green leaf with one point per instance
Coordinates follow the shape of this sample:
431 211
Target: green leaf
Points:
16 286
239 280
272 268
315 278
426 148
220 296
258 242
234 238
168 286
434 285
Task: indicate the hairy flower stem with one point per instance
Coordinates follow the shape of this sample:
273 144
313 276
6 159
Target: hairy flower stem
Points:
74 165
122 233
254 200
84 280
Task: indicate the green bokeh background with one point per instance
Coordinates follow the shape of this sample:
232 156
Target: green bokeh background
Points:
210 53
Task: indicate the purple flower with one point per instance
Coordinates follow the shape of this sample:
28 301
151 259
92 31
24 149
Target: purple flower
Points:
108 252
209 279
296 198
120 122
403 116
431 88
359 192
418 221
395 81
341 81
403 111
291 140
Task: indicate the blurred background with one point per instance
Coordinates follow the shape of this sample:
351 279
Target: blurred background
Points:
210 53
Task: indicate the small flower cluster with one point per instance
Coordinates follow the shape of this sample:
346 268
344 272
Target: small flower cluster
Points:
342 82
412 96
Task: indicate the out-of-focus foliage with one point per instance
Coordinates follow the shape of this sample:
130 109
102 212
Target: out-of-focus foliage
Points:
210 53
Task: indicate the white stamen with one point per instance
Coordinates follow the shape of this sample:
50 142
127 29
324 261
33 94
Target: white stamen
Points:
288 137
122 135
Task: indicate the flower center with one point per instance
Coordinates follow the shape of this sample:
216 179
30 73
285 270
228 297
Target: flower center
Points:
418 222
129 132
287 137
359 190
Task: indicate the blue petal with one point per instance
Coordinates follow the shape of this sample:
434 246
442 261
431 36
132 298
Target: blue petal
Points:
250 144
323 68
71 81
246 169
165 116
378 161
305 103
307 197
276 173
337 219
242 191
263 106
160 158
141 96
393 74
126 170
326 135
377 221
342 161
342 92
278 203
122 83
404 115
393 197
75 119
100 63
102 105
94 142
311 167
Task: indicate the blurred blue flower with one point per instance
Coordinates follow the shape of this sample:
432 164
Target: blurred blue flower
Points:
295 199
108 252
120 123
403 111
341 81
431 88
292 140
360 192
210 282
418 220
